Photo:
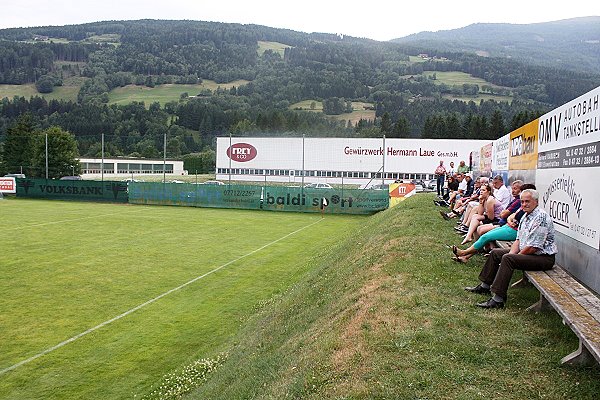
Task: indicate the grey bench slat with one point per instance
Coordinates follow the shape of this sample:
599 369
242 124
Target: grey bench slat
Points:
579 292
583 324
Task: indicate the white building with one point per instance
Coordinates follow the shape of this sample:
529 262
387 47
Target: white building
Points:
123 167
337 160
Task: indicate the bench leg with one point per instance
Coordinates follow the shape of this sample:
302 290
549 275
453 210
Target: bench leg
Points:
541 305
521 283
580 357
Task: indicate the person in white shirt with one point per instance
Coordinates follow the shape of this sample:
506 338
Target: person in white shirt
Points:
501 192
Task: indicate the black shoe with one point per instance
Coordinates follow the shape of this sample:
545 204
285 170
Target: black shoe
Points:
491 303
444 215
478 289
461 229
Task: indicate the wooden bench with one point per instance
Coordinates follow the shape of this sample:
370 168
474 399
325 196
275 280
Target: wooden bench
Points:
577 305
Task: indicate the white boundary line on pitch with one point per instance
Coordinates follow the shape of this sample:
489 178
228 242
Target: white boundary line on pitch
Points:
74 338
65 220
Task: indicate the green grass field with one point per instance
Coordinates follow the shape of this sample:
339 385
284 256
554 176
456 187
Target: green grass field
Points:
275 46
68 91
71 266
163 93
357 113
479 97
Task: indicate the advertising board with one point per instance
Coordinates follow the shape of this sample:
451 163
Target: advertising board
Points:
8 185
329 157
568 165
523 151
500 155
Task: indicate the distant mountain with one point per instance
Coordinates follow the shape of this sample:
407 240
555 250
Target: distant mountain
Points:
572 44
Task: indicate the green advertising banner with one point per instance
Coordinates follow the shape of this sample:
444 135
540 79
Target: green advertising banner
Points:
275 198
110 191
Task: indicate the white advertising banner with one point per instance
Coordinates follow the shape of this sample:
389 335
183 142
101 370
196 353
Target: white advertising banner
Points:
343 154
500 154
8 185
568 165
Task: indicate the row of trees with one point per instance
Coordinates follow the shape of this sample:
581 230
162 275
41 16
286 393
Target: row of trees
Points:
191 126
28 150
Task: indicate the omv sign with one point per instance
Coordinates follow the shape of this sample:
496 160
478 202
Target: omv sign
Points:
241 152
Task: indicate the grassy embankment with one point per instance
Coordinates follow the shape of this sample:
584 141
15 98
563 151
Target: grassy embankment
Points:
384 315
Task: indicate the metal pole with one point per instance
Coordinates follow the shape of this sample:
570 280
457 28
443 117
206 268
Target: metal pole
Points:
165 158
46 156
383 165
303 172
102 164
230 152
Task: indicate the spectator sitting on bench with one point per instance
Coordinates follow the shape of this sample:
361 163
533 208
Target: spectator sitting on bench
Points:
513 206
506 230
452 186
464 197
470 207
460 190
501 192
533 250
488 212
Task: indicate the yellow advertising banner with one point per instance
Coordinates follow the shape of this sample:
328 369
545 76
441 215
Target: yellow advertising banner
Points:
523 150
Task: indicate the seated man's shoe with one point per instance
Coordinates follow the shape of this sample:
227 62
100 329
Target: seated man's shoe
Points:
478 289
491 303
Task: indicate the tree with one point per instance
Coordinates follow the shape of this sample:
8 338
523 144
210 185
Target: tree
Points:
386 123
497 128
62 153
19 146
401 129
45 84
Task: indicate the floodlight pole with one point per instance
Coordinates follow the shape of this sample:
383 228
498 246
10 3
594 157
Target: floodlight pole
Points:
230 151
383 164
102 164
46 156
165 157
303 172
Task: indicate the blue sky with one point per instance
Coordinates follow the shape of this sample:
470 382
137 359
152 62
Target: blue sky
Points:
382 20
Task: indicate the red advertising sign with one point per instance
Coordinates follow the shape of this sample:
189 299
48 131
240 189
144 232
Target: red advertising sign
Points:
8 185
241 152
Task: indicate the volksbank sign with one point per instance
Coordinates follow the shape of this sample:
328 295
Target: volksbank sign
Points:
73 190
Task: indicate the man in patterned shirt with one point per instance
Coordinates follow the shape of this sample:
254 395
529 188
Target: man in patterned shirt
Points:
534 250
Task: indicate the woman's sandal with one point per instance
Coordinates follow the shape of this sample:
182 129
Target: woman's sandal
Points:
459 260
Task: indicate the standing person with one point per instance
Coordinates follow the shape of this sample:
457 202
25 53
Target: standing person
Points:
440 174
462 168
534 250
450 171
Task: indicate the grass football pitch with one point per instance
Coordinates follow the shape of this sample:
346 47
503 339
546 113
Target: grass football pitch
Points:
73 274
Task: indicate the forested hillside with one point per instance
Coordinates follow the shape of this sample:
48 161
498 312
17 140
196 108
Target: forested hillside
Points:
410 94
572 44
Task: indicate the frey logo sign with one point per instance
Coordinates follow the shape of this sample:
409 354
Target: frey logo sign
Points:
241 152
